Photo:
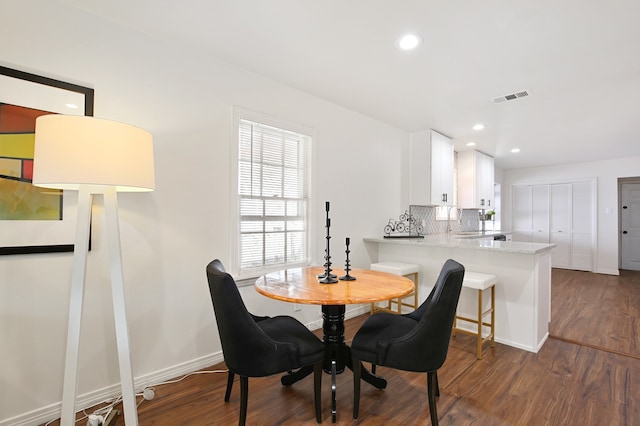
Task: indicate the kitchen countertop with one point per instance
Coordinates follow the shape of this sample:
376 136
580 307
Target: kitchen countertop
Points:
523 270
478 234
476 243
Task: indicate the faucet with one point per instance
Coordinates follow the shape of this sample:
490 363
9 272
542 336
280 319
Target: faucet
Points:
449 229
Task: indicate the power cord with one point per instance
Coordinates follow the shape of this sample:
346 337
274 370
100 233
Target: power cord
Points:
100 415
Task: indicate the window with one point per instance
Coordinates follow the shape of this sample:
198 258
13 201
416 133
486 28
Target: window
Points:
273 197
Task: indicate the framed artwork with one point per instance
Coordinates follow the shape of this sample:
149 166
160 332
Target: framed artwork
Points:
33 219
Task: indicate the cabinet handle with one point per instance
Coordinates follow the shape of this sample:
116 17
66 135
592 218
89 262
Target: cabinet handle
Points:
624 232
482 201
489 203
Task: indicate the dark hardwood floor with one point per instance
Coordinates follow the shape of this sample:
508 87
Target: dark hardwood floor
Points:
587 373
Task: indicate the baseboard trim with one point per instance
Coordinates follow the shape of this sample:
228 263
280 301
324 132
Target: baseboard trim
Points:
608 271
90 399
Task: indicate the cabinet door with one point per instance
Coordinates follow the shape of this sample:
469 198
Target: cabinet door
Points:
475 180
484 178
489 182
441 170
420 168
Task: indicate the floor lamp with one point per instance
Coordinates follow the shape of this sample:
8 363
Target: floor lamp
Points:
94 157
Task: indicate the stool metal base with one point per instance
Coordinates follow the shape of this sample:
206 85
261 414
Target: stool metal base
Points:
479 322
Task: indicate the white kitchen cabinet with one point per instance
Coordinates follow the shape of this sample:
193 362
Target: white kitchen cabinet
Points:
560 214
431 169
476 180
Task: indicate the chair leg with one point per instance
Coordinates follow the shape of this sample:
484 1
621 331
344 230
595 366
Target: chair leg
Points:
432 384
244 396
357 371
493 316
229 386
373 369
317 390
435 373
415 293
334 407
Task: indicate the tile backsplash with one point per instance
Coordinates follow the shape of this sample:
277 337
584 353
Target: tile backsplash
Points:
434 219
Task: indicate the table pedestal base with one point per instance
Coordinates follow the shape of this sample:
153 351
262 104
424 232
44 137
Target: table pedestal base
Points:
337 355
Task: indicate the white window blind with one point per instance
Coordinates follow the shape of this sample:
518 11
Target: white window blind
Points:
273 189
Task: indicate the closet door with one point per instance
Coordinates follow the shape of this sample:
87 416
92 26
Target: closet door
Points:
521 212
540 213
560 224
581 230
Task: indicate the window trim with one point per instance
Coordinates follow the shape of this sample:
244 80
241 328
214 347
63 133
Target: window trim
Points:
234 237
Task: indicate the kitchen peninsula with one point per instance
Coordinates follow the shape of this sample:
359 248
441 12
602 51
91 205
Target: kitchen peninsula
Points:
523 292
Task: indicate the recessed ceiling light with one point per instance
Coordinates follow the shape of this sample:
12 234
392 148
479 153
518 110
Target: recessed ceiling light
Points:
478 126
409 41
471 144
514 150
72 106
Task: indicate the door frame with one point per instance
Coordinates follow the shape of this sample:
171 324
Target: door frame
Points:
620 182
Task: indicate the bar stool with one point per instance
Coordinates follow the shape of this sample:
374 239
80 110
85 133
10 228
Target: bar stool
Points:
397 268
480 282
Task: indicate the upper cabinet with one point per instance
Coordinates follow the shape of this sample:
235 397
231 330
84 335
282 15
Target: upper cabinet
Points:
431 169
475 180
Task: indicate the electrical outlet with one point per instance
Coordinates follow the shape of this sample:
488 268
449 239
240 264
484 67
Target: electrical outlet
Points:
297 307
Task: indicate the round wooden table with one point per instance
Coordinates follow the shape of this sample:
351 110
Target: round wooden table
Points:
301 285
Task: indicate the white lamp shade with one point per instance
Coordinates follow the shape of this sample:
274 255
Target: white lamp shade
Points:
71 151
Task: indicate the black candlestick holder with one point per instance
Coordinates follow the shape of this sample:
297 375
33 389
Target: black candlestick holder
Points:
347 265
327 277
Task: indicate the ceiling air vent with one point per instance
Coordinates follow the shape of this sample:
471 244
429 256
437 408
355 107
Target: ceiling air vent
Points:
511 96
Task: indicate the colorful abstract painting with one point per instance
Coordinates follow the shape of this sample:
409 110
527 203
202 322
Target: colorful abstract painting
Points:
19 199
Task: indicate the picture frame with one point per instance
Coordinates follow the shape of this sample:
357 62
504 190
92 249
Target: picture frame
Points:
36 92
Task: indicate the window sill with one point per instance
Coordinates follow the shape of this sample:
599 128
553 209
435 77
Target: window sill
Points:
246 282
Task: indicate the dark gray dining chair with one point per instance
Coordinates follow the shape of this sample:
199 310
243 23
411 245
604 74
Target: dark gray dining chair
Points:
260 346
417 341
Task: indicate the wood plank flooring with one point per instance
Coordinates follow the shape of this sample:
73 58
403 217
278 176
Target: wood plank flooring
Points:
588 374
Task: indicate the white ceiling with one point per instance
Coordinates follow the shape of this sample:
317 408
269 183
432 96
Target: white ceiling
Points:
580 60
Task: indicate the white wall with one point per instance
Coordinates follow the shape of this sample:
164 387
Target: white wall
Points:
607 174
185 99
